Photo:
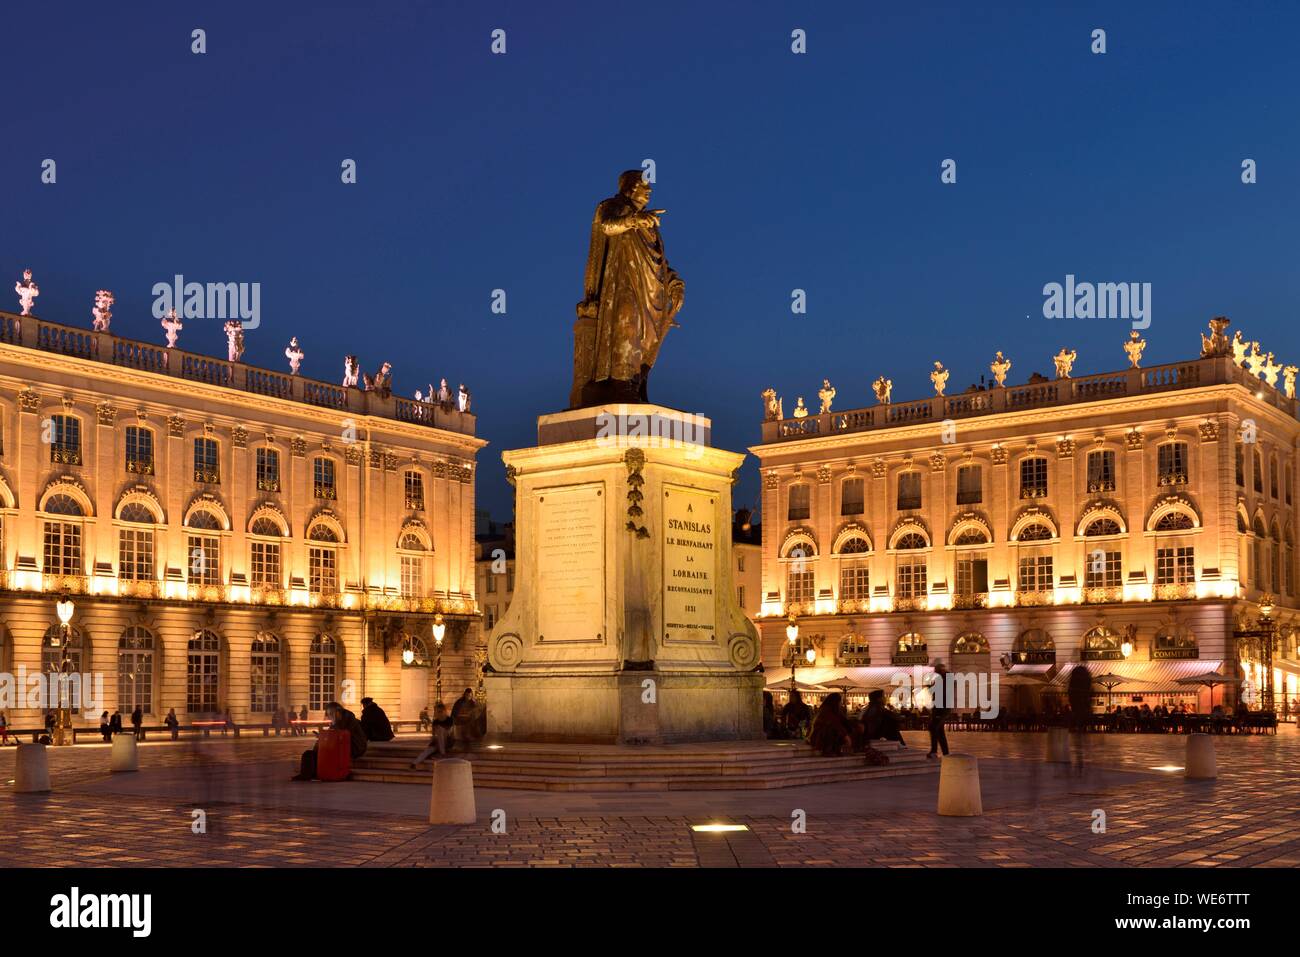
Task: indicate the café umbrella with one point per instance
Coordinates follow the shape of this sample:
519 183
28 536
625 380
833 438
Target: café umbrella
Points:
1110 681
1211 679
803 687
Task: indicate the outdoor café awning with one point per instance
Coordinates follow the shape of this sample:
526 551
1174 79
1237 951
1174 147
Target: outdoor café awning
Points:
1149 677
1033 671
1287 666
868 676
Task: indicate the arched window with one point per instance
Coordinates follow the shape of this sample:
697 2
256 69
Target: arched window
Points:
1101 526
800 578
323 673
322 560
203 554
970 643
1102 643
854 651
911 540
1174 522
135 650
264 673
411 555
265 554
855 573
419 652
1258 461
1033 646
62 540
971 536
910 649
1035 532
135 555
202 672
52 651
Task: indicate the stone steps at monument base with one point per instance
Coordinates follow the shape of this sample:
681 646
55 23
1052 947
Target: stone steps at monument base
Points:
662 769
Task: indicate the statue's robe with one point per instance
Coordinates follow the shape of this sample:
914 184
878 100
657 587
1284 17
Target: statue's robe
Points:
626 291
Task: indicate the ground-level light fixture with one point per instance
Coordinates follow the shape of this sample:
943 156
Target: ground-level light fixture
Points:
1168 767
718 828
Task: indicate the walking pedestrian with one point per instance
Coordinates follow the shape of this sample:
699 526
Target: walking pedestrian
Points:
938 739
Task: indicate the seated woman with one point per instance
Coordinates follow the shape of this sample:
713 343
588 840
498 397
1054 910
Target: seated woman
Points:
441 737
880 721
795 713
830 730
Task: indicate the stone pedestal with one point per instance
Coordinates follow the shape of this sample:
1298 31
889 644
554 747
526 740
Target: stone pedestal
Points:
624 625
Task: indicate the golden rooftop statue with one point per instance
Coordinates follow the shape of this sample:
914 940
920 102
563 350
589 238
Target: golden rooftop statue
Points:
631 297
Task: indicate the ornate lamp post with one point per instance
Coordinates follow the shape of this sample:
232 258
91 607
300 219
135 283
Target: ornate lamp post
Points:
792 635
439 632
1263 635
63 722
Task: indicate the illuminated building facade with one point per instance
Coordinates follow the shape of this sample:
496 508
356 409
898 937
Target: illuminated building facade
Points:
1133 520
233 538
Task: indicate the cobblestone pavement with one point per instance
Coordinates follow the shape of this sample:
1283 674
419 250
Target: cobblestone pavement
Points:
1035 814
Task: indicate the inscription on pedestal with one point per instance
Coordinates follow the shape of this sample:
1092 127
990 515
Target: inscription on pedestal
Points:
571 563
690 564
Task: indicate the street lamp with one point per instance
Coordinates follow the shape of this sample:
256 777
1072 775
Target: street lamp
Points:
1263 634
792 635
439 632
63 722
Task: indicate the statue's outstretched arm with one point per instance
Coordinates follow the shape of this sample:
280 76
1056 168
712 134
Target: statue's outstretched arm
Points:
613 225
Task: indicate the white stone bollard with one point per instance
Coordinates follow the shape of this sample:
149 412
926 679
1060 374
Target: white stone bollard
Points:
959 786
452 801
32 769
1058 746
1201 764
124 756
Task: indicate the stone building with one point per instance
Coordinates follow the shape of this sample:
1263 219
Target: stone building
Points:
231 537
1132 520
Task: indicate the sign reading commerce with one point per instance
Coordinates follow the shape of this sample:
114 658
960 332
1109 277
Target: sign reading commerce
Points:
690 564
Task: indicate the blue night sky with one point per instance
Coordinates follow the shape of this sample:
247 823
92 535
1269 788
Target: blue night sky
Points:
778 171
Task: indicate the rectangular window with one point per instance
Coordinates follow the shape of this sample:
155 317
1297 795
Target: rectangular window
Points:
202 674
799 585
65 440
414 491
1035 573
1258 462
135 554
909 490
491 583
204 559
972 574
1175 565
740 596
1241 467
1104 569
851 497
910 577
139 450
322 571
510 579
264 564
323 478
855 581
268 470
1272 478
1101 471
1172 463
970 485
62 548
206 466
412 576
800 502
1033 477
490 617
740 562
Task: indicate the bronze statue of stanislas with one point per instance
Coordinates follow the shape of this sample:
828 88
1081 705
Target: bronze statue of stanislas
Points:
631 297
